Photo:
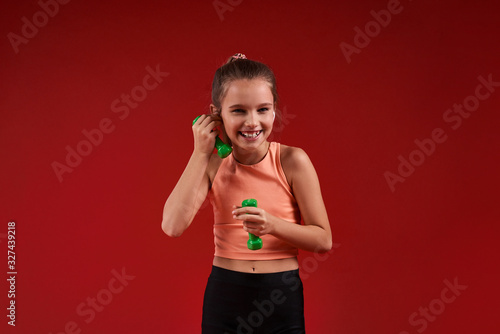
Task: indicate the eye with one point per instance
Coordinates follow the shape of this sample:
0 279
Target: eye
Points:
263 109
238 110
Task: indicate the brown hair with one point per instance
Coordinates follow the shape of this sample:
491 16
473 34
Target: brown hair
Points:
237 68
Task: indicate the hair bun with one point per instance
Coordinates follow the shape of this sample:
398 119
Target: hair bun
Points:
239 56
235 57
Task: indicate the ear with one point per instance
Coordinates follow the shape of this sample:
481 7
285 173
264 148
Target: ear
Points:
214 110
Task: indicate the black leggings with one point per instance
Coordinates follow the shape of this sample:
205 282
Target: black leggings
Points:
244 303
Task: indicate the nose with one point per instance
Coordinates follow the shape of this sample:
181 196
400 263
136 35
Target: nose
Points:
251 120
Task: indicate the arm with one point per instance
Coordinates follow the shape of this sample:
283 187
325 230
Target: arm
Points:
315 235
192 188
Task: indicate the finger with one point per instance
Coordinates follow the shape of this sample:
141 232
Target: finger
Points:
210 124
257 230
216 117
252 225
200 120
206 125
246 210
203 121
213 134
247 218
206 121
250 220
251 230
214 127
241 216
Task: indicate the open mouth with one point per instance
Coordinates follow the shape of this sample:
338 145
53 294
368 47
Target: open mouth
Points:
250 134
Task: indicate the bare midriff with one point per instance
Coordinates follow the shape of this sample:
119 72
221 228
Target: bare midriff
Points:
257 266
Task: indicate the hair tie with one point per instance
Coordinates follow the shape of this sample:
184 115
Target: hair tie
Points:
239 56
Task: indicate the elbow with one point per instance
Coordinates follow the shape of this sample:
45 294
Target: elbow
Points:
329 246
324 246
170 229
321 249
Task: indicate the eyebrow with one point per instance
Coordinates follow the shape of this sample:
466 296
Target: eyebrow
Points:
260 105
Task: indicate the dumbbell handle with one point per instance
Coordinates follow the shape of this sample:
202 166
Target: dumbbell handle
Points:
254 242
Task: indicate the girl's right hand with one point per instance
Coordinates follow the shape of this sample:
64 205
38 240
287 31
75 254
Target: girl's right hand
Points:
204 133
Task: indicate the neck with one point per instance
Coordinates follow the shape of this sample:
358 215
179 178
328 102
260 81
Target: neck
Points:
251 157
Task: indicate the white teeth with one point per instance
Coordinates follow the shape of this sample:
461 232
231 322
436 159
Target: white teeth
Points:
250 134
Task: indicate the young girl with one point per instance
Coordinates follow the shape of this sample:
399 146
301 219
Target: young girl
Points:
250 291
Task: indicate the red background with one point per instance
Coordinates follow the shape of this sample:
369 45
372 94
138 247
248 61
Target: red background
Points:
393 249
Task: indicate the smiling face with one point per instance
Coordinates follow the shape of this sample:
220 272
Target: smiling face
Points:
248 115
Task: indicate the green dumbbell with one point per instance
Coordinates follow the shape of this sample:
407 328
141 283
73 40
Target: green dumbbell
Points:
254 242
223 150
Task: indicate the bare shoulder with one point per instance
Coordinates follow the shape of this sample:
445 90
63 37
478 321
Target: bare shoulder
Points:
294 161
293 156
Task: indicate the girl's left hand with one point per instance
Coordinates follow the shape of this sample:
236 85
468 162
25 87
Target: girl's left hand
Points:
255 220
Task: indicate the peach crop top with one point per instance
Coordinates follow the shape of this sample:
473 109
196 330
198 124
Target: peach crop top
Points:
265 182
